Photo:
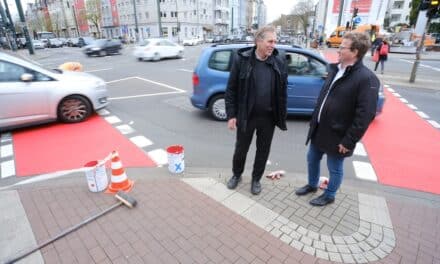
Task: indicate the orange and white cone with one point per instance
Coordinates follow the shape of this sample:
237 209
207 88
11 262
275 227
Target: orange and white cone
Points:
119 180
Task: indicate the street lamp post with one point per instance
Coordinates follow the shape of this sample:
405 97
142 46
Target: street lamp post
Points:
177 21
74 18
159 18
136 30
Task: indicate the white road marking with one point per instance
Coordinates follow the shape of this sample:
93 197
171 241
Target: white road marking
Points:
103 112
112 119
141 141
7 168
6 151
120 80
161 84
185 70
413 107
422 115
422 65
6 137
159 156
360 150
97 70
125 129
396 94
364 171
391 90
141 95
403 100
434 123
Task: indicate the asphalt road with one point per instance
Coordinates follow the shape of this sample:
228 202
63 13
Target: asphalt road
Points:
153 97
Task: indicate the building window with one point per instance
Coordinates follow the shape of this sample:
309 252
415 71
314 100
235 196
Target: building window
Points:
395 17
174 31
398 5
165 31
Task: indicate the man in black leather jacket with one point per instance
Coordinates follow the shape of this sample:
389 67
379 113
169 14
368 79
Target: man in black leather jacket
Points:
256 102
346 106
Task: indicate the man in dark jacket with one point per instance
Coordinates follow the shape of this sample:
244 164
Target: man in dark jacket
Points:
345 108
256 102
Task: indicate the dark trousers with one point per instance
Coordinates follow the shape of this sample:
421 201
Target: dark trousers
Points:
264 127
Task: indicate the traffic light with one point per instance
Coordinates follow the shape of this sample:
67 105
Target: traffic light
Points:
433 9
356 10
424 5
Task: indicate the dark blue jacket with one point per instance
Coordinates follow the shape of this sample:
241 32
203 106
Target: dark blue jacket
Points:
241 80
348 111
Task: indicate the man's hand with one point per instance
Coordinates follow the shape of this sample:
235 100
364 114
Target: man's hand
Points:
232 123
343 149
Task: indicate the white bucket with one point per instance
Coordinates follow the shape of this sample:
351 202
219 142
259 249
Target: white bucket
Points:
96 176
176 162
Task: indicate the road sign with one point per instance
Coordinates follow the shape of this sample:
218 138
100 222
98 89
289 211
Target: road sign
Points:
357 20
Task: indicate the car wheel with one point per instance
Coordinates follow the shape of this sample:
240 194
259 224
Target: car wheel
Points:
156 57
102 53
329 45
74 108
180 54
140 59
217 107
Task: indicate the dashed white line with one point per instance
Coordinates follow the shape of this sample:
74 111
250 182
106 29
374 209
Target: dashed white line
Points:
391 90
112 119
413 107
185 70
7 168
360 150
397 94
364 171
97 70
422 115
403 100
141 141
125 129
434 123
103 112
159 156
6 151
141 95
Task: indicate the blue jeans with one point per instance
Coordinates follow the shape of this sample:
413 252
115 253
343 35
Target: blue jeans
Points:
335 166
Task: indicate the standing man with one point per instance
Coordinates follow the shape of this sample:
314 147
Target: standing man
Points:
256 102
345 108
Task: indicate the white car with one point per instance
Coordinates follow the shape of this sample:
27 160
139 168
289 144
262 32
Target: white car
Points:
38 44
156 49
192 41
30 94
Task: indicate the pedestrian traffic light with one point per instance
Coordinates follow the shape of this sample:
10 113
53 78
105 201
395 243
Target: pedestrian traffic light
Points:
355 12
424 5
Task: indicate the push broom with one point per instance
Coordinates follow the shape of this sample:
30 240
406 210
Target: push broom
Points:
124 199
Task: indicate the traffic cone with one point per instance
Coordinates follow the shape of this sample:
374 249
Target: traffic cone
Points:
119 180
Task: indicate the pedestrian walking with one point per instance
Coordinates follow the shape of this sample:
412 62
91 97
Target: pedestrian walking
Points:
256 102
346 106
375 43
383 50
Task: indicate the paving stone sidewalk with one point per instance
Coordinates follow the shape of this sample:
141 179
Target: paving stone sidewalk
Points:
194 219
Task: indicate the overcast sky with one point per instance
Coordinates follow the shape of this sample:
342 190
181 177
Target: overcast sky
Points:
277 7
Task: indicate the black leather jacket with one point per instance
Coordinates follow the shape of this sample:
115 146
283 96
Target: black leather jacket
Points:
240 81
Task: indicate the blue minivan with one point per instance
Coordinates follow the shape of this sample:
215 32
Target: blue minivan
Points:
306 73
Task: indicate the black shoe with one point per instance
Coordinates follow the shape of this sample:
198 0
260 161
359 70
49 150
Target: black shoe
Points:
305 190
255 187
322 200
233 182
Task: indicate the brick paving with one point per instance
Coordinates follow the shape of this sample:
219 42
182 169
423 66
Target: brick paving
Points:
176 223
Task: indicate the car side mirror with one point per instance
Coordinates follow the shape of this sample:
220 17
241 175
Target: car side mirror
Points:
26 77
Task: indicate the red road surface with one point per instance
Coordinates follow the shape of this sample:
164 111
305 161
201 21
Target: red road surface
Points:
58 147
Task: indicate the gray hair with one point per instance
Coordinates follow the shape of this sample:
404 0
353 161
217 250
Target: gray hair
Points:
261 32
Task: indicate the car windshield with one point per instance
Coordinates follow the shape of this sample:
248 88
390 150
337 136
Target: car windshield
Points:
144 43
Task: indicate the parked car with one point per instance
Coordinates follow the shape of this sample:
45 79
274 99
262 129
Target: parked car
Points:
192 41
218 39
38 44
54 43
72 42
156 49
306 74
31 94
84 41
103 47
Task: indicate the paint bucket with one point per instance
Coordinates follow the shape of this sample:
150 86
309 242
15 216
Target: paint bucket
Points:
176 163
96 176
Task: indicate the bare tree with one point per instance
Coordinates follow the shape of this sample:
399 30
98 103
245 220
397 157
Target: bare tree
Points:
303 10
94 14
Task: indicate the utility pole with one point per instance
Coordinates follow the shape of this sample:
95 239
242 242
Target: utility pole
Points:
6 24
11 27
76 21
420 46
325 17
136 29
25 30
341 7
178 24
159 18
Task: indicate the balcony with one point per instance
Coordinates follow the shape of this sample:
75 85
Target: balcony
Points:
221 21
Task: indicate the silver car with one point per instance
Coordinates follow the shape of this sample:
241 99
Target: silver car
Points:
30 94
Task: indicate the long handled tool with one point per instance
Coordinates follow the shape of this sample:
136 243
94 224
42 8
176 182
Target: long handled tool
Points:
123 198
